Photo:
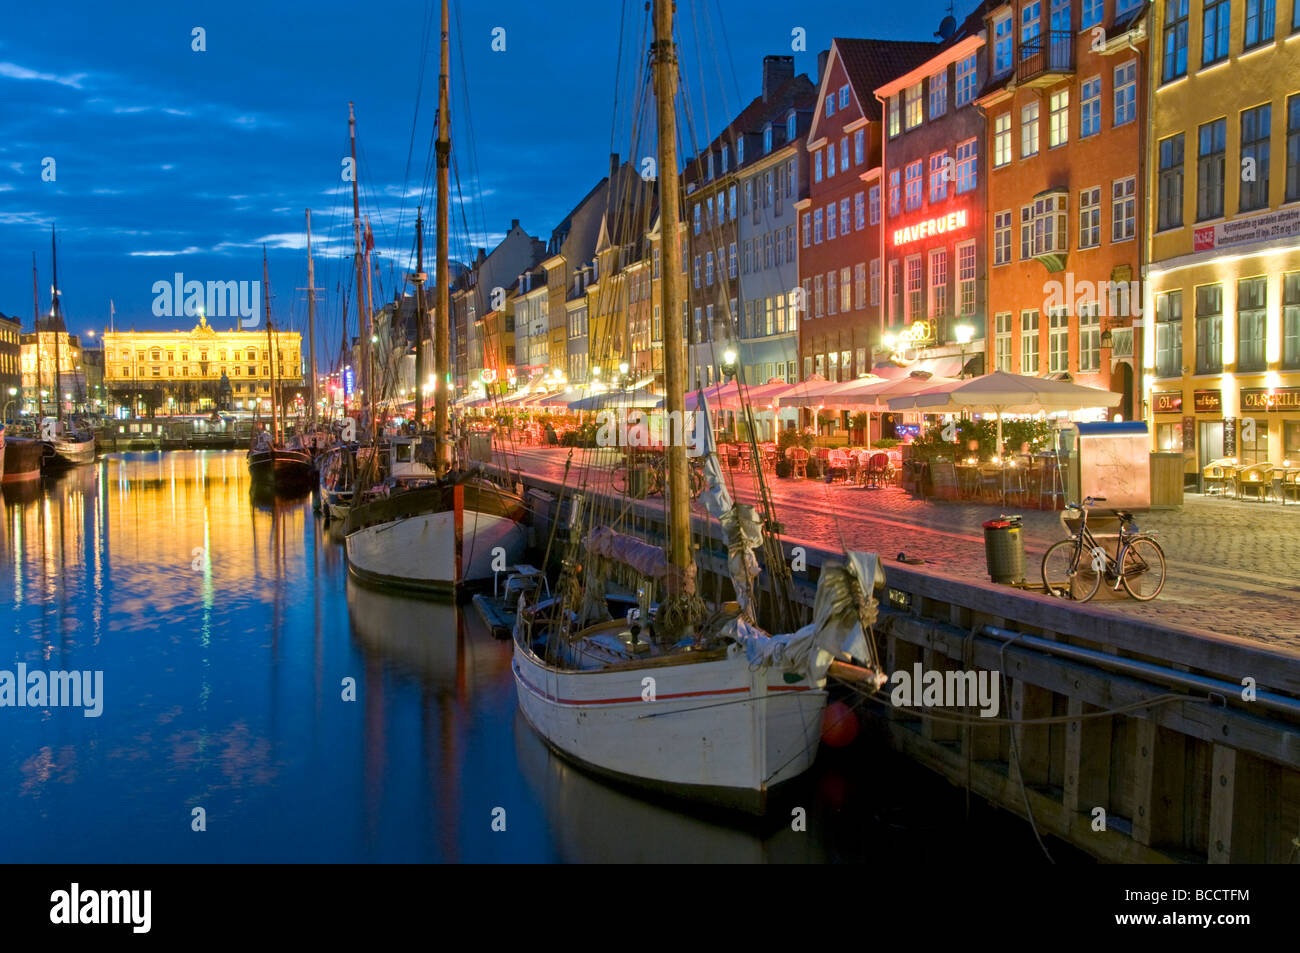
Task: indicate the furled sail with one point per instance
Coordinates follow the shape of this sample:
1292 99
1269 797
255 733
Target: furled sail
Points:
742 531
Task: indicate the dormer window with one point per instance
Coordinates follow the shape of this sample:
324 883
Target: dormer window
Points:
740 150
708 165
726 154
791 124
767 138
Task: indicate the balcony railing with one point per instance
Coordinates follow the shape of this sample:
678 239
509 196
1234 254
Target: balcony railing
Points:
1046 57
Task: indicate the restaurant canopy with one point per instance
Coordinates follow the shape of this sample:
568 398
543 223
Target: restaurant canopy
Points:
727 396
616 399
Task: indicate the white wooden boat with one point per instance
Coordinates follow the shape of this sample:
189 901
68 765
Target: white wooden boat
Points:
65 445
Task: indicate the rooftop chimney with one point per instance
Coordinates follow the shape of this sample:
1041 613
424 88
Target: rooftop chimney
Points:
777 71
613 164
514 223
822 57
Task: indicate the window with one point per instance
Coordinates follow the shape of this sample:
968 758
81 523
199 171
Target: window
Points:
697 271
1169 334
740 150
734 261
875 282
859 147
1174 51
1260 15
846 290
1002 44
893 116
966 278
789 243
817 226
1090 218
844 216
893 192
819 295
965 91
1209 329
830 160
1125 92
859 286
873 198
1049 227
1291 320
1293 144
1090 108
1251 325
708 173
830 104
912 110
1002 140
1026 232
1029 130
1256 125
807 229
895 292
938 177
1093 10
1123 209
1169 213
806 286
1089 338
914 185
1212 149
696 216
915 291
830 221
844 154
1029 342
1255 451
708 268
938 282
1002 238
731 196
791 126
859 211
1002 341
966 172
817 166
1030 25
1058 127
844 96
726 155
1214 31
939 93
1058 341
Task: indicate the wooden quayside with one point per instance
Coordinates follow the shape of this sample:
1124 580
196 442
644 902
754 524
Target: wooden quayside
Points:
1133 741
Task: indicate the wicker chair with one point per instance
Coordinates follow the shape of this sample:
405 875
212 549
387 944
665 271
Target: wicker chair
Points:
1290 484
1216 475
798 458
837 464
1256 479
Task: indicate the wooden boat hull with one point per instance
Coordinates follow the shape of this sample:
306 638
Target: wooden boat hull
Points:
22 459
720 733
435 539
281 469
69 453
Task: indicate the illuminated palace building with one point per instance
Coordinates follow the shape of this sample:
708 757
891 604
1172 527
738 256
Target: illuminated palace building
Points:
201 369
1223 283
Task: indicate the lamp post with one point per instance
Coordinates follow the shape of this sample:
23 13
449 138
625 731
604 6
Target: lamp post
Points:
13 391
964 335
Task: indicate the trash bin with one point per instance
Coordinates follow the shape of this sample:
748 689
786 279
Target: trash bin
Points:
1004 550
638 481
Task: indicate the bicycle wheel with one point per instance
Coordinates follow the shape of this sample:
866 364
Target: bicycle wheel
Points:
1144 568
1065 579
618 478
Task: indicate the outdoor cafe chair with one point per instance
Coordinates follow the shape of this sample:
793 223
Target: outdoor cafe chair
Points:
1289 484
798 458
881 469
1255 479
837 464
1218 474
991 481
1014 483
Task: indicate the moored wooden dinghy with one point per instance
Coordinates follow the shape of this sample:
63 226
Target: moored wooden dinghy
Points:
22 458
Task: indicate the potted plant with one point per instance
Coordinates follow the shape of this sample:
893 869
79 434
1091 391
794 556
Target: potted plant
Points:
858 424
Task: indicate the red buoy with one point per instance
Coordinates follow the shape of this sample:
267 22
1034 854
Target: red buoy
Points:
839 725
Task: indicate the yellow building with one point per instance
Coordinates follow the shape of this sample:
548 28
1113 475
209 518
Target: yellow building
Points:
1222 292
186 371
40 383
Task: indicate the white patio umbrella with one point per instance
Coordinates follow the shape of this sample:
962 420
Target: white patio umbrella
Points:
1004 393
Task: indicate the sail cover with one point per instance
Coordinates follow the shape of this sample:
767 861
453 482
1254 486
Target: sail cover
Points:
645 558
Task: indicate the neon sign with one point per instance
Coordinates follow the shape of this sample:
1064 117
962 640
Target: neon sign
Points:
488 375
921 332
930 226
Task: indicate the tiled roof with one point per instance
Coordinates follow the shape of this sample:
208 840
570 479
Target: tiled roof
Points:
796 93
873 63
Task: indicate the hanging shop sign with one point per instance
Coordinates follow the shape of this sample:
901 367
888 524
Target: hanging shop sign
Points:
917 333
349 381
1279 398
931 226
1170 403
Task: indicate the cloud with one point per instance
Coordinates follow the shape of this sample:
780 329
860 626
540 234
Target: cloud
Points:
14 71
163 254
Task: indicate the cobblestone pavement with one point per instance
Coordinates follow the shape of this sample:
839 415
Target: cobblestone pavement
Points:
1231 564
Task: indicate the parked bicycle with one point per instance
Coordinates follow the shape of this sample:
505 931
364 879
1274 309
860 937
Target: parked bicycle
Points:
1074 568
656 467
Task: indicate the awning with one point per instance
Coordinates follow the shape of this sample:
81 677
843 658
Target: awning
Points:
948 366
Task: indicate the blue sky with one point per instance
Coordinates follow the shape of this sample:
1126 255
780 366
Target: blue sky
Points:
170 160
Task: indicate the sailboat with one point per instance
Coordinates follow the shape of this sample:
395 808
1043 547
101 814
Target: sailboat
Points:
431 527
678 698
66 442
272 464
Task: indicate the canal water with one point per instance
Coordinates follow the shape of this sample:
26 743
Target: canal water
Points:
226 628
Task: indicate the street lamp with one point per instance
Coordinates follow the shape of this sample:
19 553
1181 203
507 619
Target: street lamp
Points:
729 362
964 334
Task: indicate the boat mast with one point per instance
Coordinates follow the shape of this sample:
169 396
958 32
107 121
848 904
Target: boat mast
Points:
372 375
266 298
442 343
54 313
419 278
40 358
311 320
362 371
681 566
